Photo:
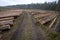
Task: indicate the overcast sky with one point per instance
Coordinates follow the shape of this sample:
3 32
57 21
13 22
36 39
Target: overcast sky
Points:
14 2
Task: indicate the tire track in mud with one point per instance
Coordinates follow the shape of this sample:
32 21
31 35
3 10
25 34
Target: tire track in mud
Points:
27 30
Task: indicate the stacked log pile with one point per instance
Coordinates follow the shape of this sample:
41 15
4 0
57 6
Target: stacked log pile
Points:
7 18
43 17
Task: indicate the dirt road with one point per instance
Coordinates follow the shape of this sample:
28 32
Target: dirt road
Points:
27 30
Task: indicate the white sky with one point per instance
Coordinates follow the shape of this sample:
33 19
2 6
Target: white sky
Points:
14 2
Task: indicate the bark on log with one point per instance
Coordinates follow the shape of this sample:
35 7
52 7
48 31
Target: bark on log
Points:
11 14
50 26
4 27
46 19
7 22
8 18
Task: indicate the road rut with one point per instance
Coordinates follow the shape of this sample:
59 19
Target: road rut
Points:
27 30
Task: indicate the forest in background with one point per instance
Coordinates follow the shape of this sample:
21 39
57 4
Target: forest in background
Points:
41 6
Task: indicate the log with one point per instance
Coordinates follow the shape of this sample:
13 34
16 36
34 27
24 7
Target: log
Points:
8 18
10 22
36 13
46 19
4 27
50 26
11 14
42 15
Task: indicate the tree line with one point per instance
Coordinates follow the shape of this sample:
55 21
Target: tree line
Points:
43 6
